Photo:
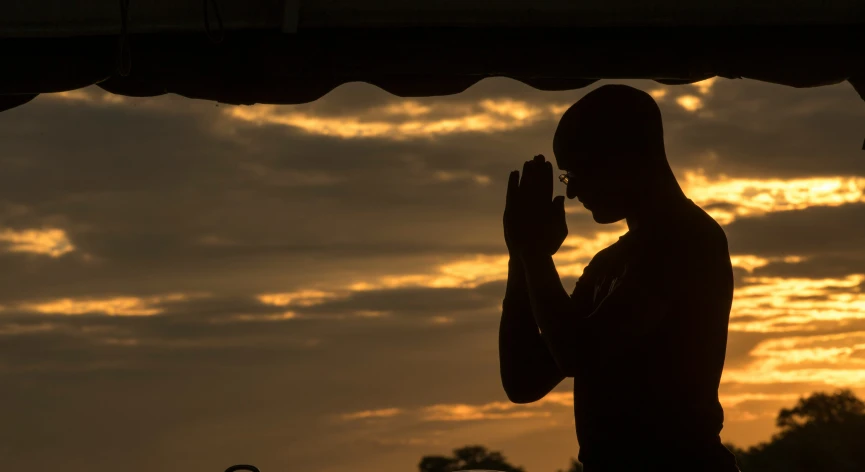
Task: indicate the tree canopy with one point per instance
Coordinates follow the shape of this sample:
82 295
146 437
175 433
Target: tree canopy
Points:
823 432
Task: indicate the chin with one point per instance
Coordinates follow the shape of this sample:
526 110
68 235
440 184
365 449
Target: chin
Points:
606 218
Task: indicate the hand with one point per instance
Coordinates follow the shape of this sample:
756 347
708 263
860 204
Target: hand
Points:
533 221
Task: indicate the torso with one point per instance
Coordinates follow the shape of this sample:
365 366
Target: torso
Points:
660 392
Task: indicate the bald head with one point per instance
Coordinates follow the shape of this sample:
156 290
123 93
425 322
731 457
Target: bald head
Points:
611 143
612 122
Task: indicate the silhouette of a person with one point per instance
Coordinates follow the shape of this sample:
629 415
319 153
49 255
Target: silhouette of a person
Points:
644 332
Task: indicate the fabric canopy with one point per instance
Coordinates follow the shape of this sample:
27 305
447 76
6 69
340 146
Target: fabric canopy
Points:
269 51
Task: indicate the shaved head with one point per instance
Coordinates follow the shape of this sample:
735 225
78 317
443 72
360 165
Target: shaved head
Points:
611 122
611 143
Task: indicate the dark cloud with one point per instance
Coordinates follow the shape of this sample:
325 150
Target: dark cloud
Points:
830 266
828 231
193 379
416 301
765 130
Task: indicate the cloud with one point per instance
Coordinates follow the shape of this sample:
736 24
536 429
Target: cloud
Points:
658 94
299 298
830 360
90 95
51 242
705 86
367 414
824 230
116 306
466 412
690 102
749 197
788 304
819 266
406 120
760 130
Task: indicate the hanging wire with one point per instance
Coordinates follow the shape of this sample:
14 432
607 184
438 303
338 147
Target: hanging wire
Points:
214 38
235 468
124 53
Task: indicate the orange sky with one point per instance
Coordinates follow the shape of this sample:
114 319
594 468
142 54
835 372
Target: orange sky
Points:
317 287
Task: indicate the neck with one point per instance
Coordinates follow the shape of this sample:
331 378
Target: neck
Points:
656 201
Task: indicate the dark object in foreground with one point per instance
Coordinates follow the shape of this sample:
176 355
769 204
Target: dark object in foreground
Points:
279 52
238 467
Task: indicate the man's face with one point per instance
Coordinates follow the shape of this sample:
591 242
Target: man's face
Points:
597 184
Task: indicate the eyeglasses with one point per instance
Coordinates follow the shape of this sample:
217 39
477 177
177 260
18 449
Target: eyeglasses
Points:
564 177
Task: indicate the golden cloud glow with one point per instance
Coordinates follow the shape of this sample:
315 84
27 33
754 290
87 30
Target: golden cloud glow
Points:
405 120
86 95
406 107
691 103
473 413
497 410
834 360
298 298
371 313
735 399
116 306
749 262
705 86
658 94
774 304
465 273
286 315
367 414
472 271
747 197
50 242
445 176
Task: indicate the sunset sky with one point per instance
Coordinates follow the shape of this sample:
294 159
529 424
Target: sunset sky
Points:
187 286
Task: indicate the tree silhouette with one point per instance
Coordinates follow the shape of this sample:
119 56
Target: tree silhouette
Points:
823 432
467 458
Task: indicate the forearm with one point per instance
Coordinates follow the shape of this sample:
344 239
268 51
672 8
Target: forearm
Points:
551 307
528 370
518 331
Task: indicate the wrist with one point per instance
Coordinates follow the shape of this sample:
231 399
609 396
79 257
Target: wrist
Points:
532 253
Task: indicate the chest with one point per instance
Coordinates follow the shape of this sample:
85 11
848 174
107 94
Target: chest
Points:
608 276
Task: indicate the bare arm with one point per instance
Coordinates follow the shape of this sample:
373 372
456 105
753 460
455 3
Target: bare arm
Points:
552 309
528 370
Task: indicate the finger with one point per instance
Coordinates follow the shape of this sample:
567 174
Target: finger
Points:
557 211
527 173
527 181
559 205
548 180
513 187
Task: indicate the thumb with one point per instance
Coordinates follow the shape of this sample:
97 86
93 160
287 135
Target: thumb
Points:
559 205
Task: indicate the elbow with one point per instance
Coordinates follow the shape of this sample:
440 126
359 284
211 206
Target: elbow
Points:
521 395
529 387
518 388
